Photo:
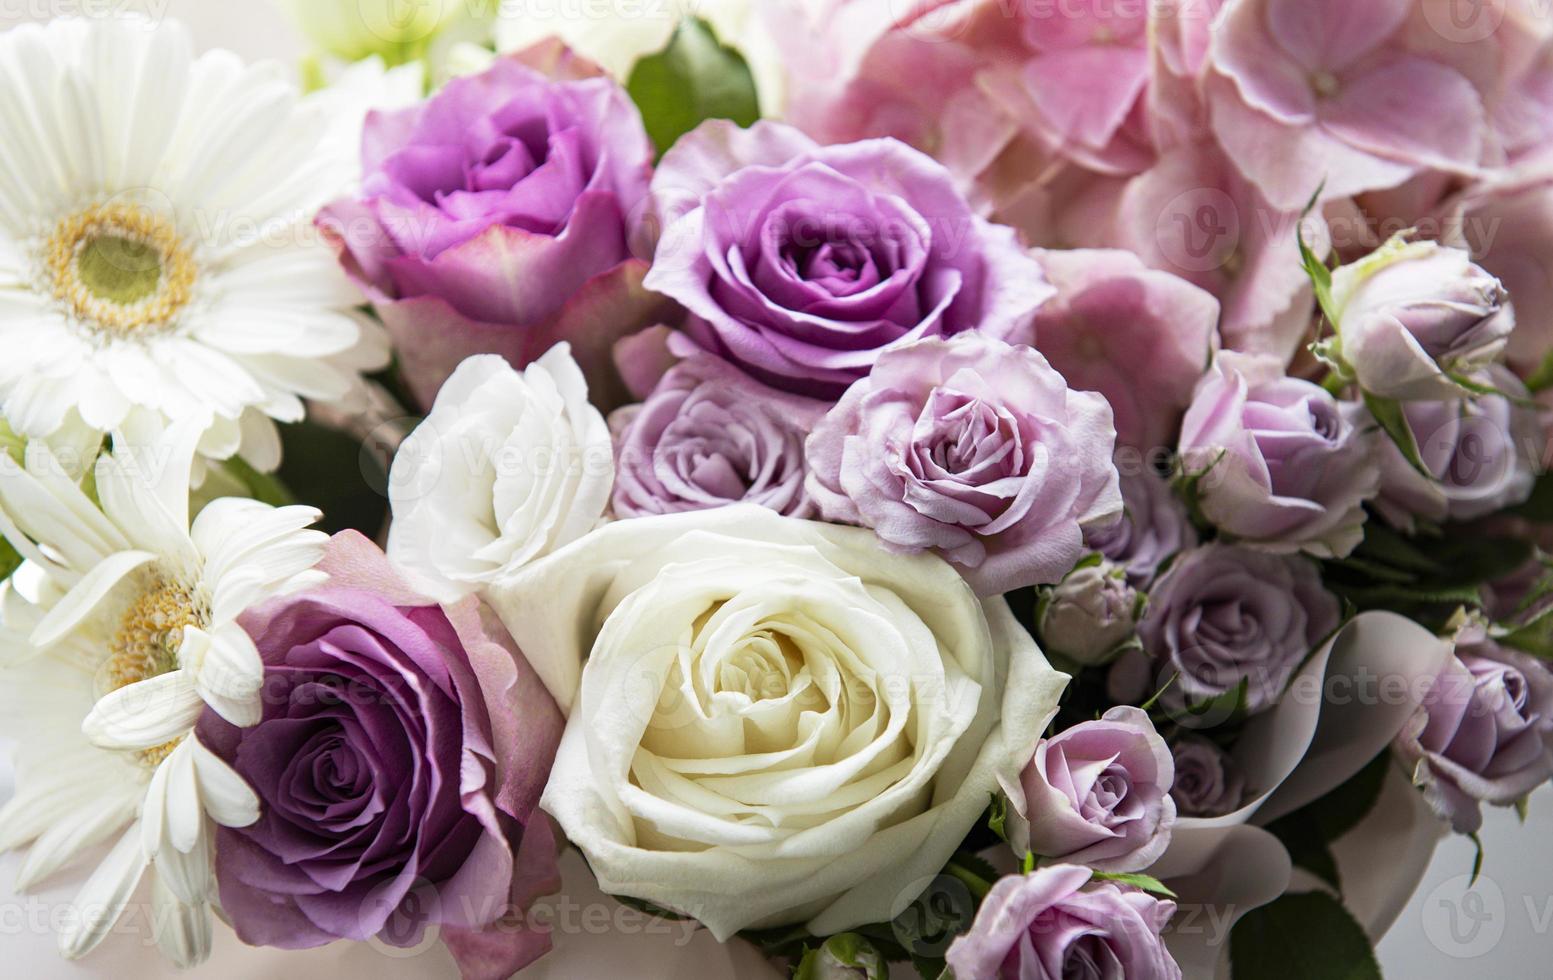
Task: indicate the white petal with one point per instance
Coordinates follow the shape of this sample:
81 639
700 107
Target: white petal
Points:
101 900
227 797
84 596
145 714
182 928
66 839
230 674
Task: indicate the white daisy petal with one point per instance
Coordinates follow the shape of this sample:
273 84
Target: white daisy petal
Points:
184 821
228 798
229 675
102 898
85 595
145 714
183 929
66 839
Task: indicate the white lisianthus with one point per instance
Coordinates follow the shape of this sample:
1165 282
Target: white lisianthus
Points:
772 720
507 467
618 33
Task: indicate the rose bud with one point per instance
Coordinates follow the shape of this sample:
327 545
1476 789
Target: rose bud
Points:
1090 614
1483 734
1223 616
1482 452
1413 316
1097 794
1048 924
1207 783
1277 461
844 957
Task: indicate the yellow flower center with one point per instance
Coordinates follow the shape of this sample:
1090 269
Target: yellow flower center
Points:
120 269
146 645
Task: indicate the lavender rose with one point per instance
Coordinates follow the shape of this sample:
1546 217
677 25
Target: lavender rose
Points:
1223 616
1097 794
973 448
1482 452
1047 924
399 763
709 436
493 219
1283 464
1484 733
1411 317
1154 527
1207 782
801 263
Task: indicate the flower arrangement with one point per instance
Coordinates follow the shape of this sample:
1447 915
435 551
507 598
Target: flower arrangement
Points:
944 487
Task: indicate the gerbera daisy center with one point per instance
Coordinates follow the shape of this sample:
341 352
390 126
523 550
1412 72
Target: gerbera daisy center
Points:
121 269
147 641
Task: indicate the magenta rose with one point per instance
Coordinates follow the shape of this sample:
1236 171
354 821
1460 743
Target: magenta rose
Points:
1280 463
1097 794
1483 734
1055 922
709 436
1224 616
399 763
493 218
975 449
802 263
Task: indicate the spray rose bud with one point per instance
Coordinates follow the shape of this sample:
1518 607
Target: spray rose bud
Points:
1413 316
844 957
1091 614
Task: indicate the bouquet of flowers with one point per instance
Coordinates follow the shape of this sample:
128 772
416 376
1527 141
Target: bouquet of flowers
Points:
944 487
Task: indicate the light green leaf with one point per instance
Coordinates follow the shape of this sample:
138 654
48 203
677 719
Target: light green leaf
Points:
1142 882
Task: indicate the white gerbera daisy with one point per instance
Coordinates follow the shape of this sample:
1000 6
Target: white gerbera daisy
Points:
128 635
156 245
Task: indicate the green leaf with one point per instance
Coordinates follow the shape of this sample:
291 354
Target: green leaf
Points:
997 816
1538 508
1142 882
1389 414
1027 864
10 561
1542 378
1477 858
694 79
1301 937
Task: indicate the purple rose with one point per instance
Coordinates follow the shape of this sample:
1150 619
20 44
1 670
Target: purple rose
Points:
1154 526
709 436
1223 616
801 263
973 448
399 762
1090 616
1048 925
1482 451
493 218
1483 734
1097 794
1283 465
1208 784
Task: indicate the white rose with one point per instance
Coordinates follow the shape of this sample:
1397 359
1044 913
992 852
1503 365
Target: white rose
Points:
507 467
354 29
777 721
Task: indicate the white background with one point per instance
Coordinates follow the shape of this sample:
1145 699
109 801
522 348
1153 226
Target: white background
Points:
1502 929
